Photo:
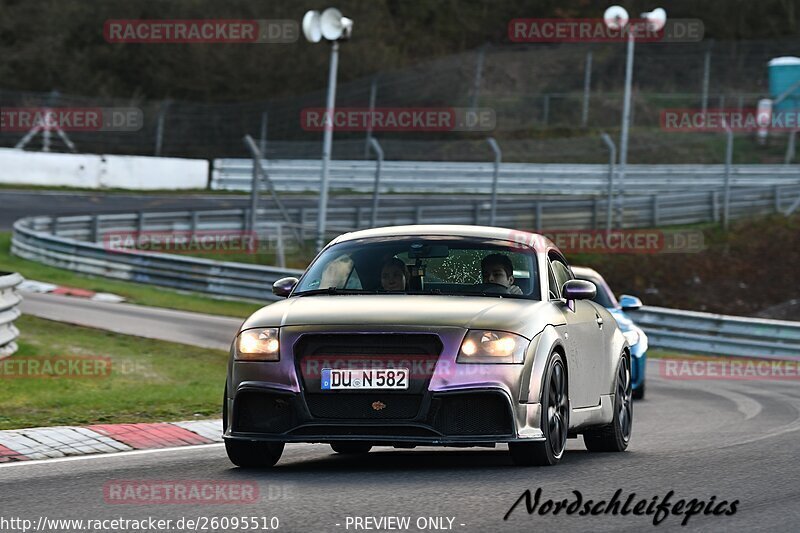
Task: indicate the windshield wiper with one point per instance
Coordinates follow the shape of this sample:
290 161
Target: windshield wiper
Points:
333 291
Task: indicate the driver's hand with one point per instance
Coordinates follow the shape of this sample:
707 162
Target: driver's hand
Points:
514 290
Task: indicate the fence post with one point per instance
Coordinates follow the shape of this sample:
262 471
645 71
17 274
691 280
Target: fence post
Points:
498 157
373 91
476 219
546 109
418 215
376 192
595 212
476 84
726 210
162 117
612 157
789 157
777 192
280 252
587 84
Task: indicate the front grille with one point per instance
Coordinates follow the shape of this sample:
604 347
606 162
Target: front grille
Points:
259 412
377 406
484 413
417 352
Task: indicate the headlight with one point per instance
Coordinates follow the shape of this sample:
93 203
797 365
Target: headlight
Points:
632 336
492 347
259 344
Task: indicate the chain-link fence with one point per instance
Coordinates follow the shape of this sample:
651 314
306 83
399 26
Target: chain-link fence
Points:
537 93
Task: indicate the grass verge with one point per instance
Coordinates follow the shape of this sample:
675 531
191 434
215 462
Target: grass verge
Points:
149 380
141 294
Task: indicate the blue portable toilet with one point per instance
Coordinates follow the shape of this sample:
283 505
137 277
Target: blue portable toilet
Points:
784 72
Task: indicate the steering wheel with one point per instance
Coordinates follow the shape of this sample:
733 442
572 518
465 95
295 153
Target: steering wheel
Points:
492 288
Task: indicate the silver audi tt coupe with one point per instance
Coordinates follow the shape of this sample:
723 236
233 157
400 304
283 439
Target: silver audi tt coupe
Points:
430 335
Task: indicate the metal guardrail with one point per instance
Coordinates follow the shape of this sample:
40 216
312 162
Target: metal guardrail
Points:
9 312
76 242
303 175
707 333
220 278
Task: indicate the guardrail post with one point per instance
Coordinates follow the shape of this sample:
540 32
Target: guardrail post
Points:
476 218
418 215
140 222
54 225
195 222
303 224
714 195
95 229
656 218
538 216
777 193
595 212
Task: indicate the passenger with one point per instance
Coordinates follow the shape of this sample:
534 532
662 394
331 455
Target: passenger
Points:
394 275
497 268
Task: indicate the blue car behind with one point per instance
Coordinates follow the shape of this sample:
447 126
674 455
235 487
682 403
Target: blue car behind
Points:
636 337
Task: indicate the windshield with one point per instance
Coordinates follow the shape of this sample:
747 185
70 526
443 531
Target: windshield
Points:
425 265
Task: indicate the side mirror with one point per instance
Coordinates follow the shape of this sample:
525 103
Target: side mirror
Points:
578 289
284 286
629 303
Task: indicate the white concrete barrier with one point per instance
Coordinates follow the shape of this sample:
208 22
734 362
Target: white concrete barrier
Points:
101 171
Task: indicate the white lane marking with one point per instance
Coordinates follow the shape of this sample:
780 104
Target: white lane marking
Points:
109 455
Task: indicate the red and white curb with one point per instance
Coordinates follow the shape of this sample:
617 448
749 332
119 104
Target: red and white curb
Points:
41 287
62 441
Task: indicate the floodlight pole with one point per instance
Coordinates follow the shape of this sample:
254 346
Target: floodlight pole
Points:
626 118
327 142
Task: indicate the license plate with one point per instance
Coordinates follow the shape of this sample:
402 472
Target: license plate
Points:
370 378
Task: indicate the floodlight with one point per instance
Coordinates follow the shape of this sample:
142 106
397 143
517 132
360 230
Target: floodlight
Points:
335 26
616 17
656 19
311 27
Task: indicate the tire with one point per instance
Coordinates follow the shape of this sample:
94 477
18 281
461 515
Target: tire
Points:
614 437
638 394
351 448
554 424
253 454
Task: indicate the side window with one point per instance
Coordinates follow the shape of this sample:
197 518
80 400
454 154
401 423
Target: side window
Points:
560 271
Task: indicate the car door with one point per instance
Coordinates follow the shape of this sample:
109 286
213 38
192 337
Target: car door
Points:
585 328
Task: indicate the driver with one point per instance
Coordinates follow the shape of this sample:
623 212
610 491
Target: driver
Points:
497 268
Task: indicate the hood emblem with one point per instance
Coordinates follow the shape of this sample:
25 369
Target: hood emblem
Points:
378 405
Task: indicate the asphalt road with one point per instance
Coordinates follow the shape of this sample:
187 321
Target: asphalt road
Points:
732 440
207 331
18 204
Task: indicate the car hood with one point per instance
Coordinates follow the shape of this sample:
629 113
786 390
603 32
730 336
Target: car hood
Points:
525 317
